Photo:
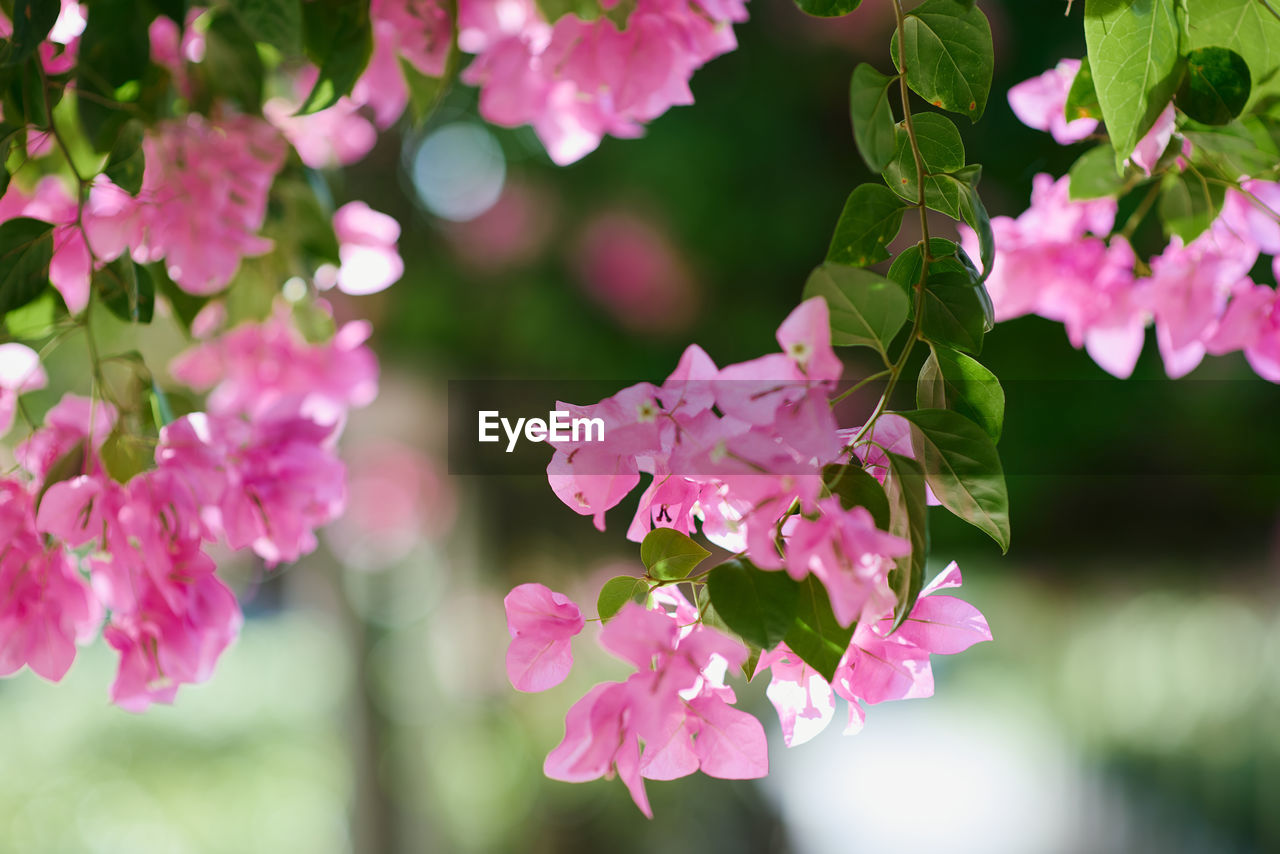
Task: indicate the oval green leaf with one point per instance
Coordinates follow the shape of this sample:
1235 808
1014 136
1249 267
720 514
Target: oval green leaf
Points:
870 221
949 57
872 116
962 467
757 605
617 592
1133 54
865 309
909 519
1216 86
26 248
951 380
669 555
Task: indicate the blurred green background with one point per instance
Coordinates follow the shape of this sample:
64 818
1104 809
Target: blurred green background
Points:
1130 701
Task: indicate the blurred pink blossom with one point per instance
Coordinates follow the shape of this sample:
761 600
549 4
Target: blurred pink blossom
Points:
632 268
512 233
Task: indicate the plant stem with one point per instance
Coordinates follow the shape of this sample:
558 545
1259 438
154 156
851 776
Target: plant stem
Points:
926 256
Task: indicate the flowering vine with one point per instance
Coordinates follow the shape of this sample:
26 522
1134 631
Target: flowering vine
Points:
823 529
1164 221
166 164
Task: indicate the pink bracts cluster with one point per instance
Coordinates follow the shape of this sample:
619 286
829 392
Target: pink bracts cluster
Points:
258 470
575 81
1060 260
737 454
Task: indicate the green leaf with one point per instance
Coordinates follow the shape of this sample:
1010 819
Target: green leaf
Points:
942 151
1133 52
33 320
1189 204
710 617
951 380
857 488
963 469
1082 100
908 500
865 309
955 308
1245 26
232 66
669 555
126 162
974 213
1246 147
828 8
32 20
1094 175
869 222
114 50
275 22
124 455
126 290
815 634
1216 86
26 248
4 172
339 39
619 591
757 605
872 116
424 91
948 54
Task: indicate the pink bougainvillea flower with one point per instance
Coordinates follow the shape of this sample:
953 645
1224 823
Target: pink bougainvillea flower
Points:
803 699
20 372
272 480
1053 261
632 267
162 648
805 336
1147 153
417 32
1251 323
576 81
204 196
71 267
47 607
171 617
256 367
1187 292
878 666
851 558
1041 103
367 249
676 705
72 421
541 623
335 136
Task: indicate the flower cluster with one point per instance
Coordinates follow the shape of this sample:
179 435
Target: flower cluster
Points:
1061 260
737 453
258 471
573 80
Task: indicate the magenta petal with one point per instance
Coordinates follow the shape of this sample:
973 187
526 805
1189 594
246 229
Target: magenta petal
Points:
731 743
536 665
69 510
944 625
